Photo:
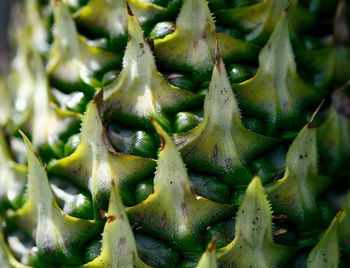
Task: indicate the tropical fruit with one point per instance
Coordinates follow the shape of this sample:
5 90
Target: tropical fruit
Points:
180 133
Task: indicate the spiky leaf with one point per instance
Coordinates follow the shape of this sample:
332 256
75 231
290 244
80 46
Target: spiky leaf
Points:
253 245
50 126
21 82
73 64
174 212
220 144
295 194
208 259
326 253
276 94
110 18
118 241
57 235
192 46
94 164
140 93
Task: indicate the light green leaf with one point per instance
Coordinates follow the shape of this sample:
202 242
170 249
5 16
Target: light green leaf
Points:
94 164
21 82
174 212
73 64
110 17
208 259
326 253
253 245
140 93
118 241
192 46
276 94
48 123
295 194
220 144
56 234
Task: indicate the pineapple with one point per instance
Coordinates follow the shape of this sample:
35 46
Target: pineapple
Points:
179 133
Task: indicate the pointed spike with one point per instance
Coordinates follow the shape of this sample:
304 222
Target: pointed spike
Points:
253 243
118 241
295 194
129 9
291 2
30 146
196 24
99 16
327 252
220 144
276 94
73 63
41 212
217 56
158 96
67 35
95 163
100 104
164 137
208 259
174 212
191 47
311 123
37 177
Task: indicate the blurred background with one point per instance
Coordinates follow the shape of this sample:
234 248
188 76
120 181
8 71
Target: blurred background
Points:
4 19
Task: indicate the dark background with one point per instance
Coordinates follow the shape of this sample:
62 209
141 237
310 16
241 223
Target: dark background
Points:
4 19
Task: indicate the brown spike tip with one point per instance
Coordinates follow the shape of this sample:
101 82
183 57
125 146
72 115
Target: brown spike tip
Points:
212 245
150 42
217 56
98 99
311 123
288 6
163 141
129 9
111 218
